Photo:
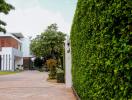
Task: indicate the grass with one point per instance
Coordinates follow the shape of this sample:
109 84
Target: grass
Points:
7 72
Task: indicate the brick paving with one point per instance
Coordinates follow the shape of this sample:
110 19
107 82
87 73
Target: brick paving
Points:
32 85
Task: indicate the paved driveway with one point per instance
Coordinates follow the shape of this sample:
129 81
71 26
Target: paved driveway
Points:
32 85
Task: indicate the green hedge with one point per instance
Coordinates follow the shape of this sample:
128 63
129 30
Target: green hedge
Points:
101 39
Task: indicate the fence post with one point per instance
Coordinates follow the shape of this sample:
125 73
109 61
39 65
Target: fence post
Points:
68 75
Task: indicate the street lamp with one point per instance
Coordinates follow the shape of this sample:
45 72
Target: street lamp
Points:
68 45
32 59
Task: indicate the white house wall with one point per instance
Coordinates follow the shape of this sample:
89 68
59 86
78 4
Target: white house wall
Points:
6 59
10 58
18 61
26 47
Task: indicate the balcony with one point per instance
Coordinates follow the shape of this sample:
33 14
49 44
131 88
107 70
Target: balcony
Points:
11 51
17 52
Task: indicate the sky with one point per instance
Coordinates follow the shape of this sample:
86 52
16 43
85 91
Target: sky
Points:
31 17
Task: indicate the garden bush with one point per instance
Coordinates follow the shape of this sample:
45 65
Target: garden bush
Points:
60 76
52 64
38 63
101 40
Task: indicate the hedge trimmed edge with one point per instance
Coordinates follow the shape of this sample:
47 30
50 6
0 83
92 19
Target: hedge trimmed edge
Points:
101 39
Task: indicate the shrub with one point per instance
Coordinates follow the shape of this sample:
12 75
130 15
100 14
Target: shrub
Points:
60 76
101 40
41 70
38 63
19 68
52 63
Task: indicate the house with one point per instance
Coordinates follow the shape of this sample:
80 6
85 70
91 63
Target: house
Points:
14 49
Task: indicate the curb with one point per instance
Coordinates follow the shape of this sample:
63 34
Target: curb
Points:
75 94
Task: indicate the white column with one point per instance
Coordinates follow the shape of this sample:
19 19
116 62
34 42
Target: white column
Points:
68 65
2 67
12 63
8 64
4 59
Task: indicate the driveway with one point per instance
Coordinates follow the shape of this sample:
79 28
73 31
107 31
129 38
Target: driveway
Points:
32 85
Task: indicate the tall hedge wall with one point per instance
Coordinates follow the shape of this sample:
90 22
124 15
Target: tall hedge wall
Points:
101 39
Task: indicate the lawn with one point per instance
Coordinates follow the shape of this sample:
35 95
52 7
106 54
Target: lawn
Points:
7 73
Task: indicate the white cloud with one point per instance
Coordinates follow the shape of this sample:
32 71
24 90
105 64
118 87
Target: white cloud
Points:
34 20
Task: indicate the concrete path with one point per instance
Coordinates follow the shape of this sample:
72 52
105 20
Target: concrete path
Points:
32 85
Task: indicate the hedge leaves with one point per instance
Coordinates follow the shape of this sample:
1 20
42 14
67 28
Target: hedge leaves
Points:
101 39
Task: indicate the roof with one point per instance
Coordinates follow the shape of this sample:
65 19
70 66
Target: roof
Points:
13 35
18 35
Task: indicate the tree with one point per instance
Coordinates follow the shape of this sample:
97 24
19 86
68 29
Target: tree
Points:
50 44
4 8
38 63
36 46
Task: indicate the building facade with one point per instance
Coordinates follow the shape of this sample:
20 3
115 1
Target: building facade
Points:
27 63
12 51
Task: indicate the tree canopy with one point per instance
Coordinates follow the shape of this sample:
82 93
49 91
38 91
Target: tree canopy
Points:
4 8
49 44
